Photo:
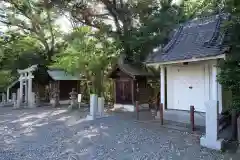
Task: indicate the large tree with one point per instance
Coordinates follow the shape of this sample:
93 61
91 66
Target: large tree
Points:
135 23
139 25
33 18
90 55
230 68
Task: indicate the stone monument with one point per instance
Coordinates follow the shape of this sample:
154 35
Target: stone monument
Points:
96 107
100 109
14 100
93 107
55 98
211 140
73 99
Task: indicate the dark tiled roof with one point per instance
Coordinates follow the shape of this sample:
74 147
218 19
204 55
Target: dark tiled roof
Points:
197 38
130 69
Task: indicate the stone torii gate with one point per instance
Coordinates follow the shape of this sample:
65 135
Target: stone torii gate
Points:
26 77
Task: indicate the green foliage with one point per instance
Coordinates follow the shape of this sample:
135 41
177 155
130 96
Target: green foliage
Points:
20 53
138 25
35 19
30 37
230 68
5 80
134 26
89 56
154 28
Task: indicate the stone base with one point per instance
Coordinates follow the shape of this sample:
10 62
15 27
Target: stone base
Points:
124 107
73 106
90 117
211 143
130 107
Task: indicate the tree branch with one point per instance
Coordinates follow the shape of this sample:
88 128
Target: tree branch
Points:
51 29
17 7
111 7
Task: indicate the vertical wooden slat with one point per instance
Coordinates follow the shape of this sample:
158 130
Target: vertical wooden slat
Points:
133 91
192 118
161 112
137 109
58 89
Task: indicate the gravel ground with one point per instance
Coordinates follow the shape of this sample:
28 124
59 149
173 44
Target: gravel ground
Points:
55 134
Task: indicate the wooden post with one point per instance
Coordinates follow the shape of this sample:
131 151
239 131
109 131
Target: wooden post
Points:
238 129
234 124
137 109
133 90
161 113
192 117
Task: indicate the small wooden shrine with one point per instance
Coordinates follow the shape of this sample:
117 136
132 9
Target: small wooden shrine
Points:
130 83
48 80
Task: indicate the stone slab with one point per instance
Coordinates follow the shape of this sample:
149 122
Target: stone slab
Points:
90 117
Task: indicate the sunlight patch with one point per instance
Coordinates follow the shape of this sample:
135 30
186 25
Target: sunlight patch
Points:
57 112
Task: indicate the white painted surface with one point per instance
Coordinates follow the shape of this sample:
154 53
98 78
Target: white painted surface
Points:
30 95
96 107
25 88
220 95
207 82
20 96
100 106
8 94
125 107
210 140
157 64
162 81
214 83
130 107
201 77
79 98
186 85
93 105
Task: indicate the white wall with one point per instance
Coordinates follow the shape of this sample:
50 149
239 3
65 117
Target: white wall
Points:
206 71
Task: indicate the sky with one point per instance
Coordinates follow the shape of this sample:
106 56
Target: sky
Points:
63 22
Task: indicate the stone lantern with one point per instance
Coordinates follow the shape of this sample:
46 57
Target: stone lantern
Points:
55 98
3 98
73 99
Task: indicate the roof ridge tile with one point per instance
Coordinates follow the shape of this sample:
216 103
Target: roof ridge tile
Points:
172 42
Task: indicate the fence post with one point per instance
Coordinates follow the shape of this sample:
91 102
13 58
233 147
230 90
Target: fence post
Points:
137 109
192 117
161 113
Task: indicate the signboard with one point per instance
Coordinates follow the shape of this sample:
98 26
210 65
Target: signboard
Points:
79 98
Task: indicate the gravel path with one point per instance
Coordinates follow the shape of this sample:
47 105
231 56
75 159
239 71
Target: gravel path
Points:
55 134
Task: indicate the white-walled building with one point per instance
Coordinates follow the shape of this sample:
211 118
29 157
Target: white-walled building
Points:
189 65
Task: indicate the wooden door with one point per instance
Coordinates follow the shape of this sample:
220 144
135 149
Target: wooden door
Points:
188 87
124 91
